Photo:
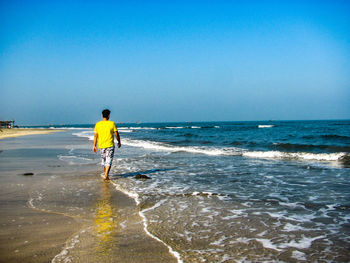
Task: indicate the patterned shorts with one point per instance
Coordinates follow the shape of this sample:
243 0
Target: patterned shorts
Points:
107 156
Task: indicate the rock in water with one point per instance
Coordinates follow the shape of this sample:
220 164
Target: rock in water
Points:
28 174
345 160
142 176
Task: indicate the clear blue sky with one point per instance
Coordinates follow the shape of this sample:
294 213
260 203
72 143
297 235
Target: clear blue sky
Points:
65 61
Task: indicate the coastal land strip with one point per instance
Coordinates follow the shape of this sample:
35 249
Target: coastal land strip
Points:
16 132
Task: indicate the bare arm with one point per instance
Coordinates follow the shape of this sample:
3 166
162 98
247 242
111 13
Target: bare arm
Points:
116 133
95 143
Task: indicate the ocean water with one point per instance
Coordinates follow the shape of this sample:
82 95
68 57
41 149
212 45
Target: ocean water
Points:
236 191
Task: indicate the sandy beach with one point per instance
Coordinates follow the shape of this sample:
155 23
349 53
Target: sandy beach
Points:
16 132
63 212
201 203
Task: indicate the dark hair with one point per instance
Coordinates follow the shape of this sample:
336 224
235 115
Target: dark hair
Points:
105 113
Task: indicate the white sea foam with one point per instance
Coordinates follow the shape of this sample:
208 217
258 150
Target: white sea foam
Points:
303 243
181 127
86 134
123 224
70 244
157 146
266 126
219 242
140 128
124 129
131 194
268 243
298 255
30 202
233 151
71 159
236 213
227 151
243 240
291 228
136 198
292 205
291 155
158 204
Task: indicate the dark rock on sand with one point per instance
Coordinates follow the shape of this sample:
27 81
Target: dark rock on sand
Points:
28 174
142 176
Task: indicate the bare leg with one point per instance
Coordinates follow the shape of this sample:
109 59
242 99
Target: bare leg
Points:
106 170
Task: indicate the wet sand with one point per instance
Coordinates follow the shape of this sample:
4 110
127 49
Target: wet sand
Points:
61 214
16 132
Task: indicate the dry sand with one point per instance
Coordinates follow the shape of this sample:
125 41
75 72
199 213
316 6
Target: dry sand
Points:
15 132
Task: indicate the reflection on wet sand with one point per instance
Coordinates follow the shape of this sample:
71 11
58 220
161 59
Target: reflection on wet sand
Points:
105 227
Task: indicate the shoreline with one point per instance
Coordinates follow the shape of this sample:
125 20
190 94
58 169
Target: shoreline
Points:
75 214
135 198
17 132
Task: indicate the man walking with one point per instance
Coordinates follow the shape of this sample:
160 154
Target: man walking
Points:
104 134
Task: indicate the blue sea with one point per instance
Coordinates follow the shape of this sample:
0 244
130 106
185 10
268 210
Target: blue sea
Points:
236 191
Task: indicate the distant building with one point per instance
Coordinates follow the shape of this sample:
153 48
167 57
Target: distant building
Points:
7 124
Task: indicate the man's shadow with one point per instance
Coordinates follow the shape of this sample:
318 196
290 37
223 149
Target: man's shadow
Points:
133 174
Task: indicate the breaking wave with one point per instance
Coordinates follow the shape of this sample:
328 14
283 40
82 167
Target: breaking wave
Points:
225 151
233 151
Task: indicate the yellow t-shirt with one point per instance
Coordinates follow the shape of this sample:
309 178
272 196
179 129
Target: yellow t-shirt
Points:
105 131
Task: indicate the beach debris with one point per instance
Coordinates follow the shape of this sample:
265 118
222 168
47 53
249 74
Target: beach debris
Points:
142 176
28 174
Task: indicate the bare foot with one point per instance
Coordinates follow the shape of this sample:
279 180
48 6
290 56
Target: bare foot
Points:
106 178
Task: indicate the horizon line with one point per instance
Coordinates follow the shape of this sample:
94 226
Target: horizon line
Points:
146 122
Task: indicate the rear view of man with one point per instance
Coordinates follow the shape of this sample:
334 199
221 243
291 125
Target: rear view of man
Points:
105 131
